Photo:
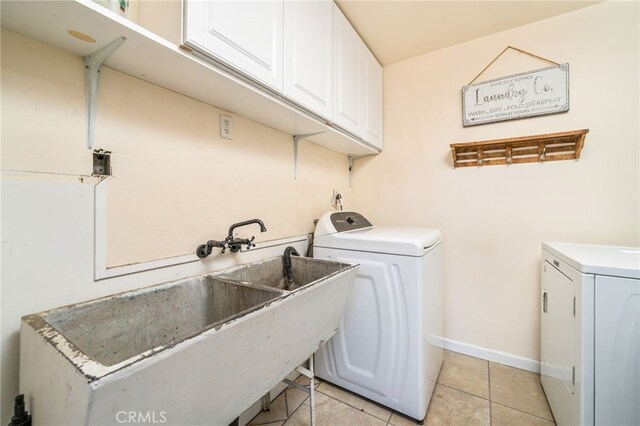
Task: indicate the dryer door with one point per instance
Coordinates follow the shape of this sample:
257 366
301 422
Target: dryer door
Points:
617 351
558 327
557 349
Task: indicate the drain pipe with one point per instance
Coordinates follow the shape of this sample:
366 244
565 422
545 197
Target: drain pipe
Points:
310 238
21 416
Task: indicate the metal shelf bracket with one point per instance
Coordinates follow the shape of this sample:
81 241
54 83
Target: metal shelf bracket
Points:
296 139
92 64
351 158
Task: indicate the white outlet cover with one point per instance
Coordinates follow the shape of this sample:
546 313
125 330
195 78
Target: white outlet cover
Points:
226 127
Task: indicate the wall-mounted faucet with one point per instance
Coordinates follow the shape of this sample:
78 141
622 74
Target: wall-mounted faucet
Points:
231 243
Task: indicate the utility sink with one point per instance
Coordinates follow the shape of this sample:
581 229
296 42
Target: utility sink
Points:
197 351
269 274
133 323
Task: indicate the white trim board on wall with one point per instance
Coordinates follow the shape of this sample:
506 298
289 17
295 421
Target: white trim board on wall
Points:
492 355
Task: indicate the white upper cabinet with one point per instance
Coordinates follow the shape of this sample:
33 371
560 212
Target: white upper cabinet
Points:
308 55
304 50
247 35
358 84
372 104
348 75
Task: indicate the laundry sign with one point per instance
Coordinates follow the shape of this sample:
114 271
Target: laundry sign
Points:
539 92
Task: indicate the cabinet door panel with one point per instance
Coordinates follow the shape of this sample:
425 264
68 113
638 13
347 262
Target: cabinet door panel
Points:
247 35
348 75
308 45
372 99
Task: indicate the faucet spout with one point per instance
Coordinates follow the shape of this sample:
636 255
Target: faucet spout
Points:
231 243
244 223
235 244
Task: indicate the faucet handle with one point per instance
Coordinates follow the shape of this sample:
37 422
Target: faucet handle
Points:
250 243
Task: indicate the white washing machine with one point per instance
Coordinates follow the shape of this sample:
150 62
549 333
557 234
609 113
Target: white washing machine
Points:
389 345
590 333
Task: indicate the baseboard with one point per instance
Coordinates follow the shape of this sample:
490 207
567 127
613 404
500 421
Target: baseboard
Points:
492 355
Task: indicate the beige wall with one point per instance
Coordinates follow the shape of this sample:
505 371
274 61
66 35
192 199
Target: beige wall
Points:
175 178
495 217
175 182
161 18
175 185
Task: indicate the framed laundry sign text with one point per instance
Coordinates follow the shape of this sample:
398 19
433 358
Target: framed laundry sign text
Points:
539 92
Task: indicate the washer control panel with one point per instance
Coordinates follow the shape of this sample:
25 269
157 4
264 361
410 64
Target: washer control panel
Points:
348 221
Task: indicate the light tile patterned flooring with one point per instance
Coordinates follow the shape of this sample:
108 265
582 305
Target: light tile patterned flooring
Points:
469 391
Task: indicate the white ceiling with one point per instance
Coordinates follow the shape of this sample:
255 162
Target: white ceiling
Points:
396 30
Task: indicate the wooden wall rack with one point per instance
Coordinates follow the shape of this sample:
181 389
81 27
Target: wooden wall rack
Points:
525 149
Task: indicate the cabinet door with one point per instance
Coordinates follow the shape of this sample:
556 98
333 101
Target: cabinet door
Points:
247 35
348 75
372 99
308 47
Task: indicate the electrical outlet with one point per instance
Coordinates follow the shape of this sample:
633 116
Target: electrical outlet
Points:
101 162
336 200
226 127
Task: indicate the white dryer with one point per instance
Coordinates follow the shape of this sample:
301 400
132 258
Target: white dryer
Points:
590 348
389 345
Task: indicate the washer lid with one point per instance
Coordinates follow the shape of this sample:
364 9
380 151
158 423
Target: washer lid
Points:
616 261
380 239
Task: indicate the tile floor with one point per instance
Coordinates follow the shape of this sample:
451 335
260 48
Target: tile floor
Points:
470 391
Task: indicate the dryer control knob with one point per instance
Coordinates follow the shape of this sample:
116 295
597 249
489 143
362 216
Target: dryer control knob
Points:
351 220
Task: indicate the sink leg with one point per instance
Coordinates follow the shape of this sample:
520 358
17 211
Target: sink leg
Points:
266 401
311 390
312 394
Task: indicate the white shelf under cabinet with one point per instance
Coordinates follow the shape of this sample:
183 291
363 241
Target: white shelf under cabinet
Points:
151 58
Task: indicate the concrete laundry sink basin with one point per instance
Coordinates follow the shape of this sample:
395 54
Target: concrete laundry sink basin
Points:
114 330
195 351
269 274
